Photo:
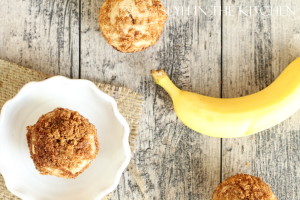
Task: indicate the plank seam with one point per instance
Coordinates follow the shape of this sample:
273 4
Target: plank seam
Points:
79 38
221 90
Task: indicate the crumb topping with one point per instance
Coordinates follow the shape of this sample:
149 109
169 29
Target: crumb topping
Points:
243 187
132 25
63 142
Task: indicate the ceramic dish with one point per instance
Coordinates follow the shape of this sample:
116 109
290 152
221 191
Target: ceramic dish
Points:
37 98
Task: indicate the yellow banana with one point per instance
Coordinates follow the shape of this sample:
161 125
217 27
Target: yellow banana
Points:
236 117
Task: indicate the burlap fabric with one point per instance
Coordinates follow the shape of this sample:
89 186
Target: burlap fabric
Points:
13 77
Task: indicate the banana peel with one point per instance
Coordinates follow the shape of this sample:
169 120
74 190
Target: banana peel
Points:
236 117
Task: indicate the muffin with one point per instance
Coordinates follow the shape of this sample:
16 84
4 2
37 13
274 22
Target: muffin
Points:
62 143
243 187
132 25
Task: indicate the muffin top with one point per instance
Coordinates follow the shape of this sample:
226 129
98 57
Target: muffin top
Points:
243 187
62 143
132 25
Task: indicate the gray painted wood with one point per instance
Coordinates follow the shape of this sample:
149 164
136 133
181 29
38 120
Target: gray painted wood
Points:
41 34
176 162
173 161
255 50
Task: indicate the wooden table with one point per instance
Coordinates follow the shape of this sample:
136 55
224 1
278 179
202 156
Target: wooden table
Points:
205 52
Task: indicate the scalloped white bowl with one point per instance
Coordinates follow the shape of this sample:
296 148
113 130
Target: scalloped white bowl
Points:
37 98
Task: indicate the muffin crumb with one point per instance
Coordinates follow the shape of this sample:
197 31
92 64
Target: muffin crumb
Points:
243 187
62 143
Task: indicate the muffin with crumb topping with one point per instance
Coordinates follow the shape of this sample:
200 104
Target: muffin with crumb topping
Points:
243 187
132 25
62 143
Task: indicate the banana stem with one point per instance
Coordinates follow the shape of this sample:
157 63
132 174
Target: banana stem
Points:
161 78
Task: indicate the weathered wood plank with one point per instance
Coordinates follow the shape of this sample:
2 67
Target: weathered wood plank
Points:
175 162
41 34
255 50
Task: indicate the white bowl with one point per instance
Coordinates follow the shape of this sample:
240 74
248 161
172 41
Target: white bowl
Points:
37 98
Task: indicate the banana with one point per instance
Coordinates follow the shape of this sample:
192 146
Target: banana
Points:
236 117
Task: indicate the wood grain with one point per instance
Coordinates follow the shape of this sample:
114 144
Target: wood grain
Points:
232 57
42 35
255 50
175 162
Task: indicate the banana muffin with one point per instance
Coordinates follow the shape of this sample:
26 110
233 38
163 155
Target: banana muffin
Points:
243 187
132 25
62 143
